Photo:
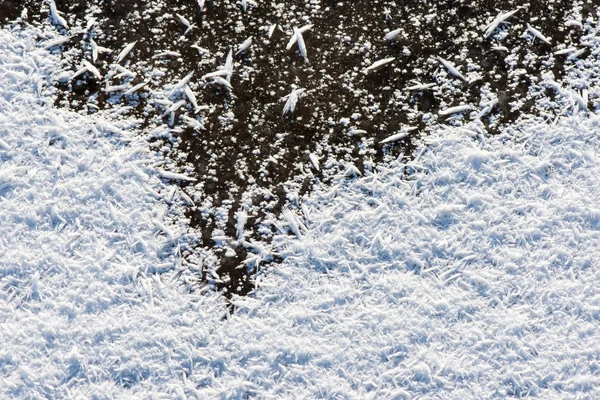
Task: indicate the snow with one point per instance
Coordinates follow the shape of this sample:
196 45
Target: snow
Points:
85 231
469 271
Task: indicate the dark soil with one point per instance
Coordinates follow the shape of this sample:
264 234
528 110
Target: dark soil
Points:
257 158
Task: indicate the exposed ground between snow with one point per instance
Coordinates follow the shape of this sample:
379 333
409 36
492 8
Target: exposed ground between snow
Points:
469 272
250 161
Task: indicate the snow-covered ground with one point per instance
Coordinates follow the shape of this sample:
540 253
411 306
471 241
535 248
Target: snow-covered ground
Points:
88 245
477 277
470 271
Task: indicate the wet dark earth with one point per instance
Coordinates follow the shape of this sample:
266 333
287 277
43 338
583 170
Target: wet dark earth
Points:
250 158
